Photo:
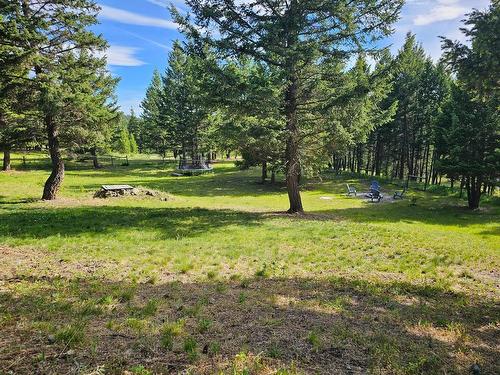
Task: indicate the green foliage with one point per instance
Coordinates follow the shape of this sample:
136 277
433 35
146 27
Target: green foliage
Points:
122 140
133 144
70 90
127 128
185 100
153 136
136 129
296 40
471 122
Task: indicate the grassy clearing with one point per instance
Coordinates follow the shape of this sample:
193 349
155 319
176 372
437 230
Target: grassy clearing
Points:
217 279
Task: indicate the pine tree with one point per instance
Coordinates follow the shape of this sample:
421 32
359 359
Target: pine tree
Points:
153 135
248 99
18 122
402 146
133 144
136 128
473 140
54 41
185 102
122 144
291 36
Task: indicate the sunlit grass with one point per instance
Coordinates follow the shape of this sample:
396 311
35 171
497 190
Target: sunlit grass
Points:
227 222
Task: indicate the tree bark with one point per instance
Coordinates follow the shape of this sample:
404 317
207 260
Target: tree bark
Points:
292 148
6 159
462 183
56 177
95 161
473 192
264 171
378 156
359 159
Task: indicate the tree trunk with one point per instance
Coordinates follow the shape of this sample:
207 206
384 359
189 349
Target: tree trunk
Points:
359 158
95 161
462 184
473 192
426 162
182 159
264 171
378 156
56 177
292 148
6 159
273 176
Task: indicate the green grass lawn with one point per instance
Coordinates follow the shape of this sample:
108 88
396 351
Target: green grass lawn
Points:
218 278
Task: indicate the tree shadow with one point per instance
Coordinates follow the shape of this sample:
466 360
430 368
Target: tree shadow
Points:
327 326
433 211
72 221
226 181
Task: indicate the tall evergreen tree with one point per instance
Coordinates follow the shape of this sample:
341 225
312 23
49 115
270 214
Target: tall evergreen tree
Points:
185 101
291 36
154 137
17 117
122 143
403 146
473 140
135 127
54 41
248 100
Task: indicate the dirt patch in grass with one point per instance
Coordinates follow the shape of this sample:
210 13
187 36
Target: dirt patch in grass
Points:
19 263
71 323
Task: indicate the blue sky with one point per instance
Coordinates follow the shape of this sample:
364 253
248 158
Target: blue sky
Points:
140 34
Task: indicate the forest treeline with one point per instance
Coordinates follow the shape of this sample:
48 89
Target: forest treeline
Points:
294 87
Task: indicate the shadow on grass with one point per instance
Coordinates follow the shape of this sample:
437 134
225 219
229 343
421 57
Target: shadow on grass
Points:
180 222
74 165
73 221
431 211
224 181
330 326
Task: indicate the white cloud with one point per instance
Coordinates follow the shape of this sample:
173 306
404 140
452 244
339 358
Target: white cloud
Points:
166 3
440 13
150 41
123 56
124 16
